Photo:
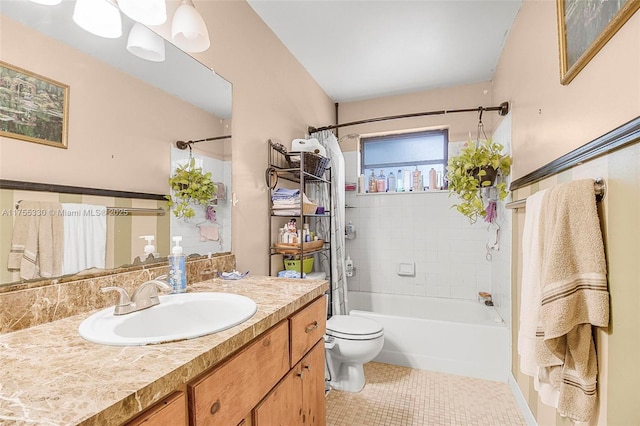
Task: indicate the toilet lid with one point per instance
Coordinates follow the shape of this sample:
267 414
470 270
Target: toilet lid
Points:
353 327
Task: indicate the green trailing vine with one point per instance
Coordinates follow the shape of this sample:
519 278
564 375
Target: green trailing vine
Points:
471 171
189 185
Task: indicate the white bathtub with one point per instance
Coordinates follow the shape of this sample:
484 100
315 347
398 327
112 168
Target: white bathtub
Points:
446 335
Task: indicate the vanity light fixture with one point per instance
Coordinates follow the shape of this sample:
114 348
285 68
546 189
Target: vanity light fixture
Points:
145 44
99 17
188 29
147 12
47 2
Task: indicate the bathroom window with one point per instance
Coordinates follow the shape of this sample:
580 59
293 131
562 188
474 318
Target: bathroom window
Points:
405 151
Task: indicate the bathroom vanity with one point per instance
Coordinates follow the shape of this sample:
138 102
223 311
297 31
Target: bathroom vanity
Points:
271 367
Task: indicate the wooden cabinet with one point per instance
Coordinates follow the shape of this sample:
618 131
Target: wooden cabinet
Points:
299 398
307 327
230 391
278 379
172 411
313 396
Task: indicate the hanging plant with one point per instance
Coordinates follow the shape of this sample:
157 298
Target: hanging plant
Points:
190 185
479 166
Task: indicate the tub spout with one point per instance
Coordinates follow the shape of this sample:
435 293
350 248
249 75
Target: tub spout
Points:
485 298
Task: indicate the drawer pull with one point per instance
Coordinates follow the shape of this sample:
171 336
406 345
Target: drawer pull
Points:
215 407
266 342
311 327
301 375
307 367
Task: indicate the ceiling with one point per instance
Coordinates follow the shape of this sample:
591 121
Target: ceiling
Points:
367 49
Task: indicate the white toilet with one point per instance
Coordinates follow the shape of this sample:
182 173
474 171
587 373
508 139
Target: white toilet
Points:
351 341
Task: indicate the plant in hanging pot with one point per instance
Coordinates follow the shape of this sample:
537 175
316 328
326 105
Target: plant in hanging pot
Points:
480 165
190 185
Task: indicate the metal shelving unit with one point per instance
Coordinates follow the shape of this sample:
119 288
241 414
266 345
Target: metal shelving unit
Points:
280 168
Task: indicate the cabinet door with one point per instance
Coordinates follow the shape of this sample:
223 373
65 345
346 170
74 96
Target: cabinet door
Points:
313 396
283 405
224 396
172 411
299 398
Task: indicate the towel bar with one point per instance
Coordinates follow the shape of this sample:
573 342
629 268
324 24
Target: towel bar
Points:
117 211
599 187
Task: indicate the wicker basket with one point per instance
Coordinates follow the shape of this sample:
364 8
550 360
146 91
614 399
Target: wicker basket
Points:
308 208
313 163
291 248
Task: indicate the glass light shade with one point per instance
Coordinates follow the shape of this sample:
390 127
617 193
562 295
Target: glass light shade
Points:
99 17
145 44
188 30
148 12
47 2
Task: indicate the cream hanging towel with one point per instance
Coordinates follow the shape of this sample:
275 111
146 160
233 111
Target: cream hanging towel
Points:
37 241
574 296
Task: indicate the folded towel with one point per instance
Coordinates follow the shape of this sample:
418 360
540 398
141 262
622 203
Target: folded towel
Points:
574 296
281 193
85 237
36 244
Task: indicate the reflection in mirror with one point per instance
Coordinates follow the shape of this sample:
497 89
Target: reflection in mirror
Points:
209 231
180 77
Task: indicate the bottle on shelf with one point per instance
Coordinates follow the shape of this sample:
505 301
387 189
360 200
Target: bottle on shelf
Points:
407 180
373 182
348 265
391 182
416 179
400 183
433 179
382 182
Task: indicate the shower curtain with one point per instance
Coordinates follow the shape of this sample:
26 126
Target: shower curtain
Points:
320 194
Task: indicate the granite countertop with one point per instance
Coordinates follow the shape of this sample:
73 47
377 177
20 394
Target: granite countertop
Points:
52 376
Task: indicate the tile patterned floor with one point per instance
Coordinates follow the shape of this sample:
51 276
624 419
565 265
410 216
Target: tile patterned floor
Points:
401 396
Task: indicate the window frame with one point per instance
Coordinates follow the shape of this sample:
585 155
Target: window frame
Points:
392 166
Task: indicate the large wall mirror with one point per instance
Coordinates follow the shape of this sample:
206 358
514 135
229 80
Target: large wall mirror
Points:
193 87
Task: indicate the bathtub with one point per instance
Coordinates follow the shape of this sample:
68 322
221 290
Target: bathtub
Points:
437 334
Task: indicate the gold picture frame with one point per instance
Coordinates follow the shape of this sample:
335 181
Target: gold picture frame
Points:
584 27
33 108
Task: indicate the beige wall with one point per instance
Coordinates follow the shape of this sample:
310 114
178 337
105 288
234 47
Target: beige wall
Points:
120 128
273 98
460 124
550 120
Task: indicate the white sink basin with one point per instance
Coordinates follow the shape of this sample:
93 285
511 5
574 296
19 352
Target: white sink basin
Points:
177 317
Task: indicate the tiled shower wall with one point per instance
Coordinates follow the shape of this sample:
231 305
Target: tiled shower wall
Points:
420 228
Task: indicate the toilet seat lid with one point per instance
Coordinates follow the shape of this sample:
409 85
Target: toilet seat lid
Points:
353 327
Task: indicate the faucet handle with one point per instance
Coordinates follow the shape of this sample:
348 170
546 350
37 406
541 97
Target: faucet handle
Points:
124 300
146 294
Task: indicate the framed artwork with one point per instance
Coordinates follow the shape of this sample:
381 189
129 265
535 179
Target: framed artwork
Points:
33 108
584 27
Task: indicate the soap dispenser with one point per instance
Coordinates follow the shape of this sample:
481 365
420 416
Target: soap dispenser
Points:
177 267
149 249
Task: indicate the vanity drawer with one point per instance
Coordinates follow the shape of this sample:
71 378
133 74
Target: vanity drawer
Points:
230 391
306 327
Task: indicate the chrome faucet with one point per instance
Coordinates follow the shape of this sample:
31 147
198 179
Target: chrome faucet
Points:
145 296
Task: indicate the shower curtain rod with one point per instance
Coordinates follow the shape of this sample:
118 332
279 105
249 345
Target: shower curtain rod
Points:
503 109
185 145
